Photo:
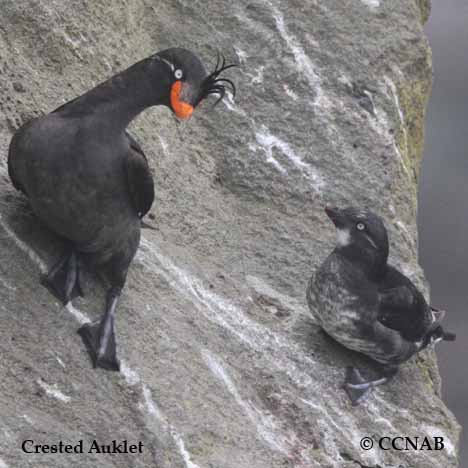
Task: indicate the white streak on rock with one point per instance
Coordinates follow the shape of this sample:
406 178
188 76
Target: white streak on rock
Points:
241 54
107 64
269 153
60 362
396 100
405 230
6 284
264 423
232 107
53 391
326 422
3 464
150 405
130 376
164 145
258 77
303 62
182 450
153 411
371 3
289 92
327 416
222 311
268 141
27 419
79 316
277 350
390 408
35 258
75 44
382 127
265 289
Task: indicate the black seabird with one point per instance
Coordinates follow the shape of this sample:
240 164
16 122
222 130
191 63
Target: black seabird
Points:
88 180
366 304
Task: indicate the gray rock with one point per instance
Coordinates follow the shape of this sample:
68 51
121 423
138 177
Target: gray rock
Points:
224 365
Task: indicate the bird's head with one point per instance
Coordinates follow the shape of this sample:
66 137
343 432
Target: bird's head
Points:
188 81
360 234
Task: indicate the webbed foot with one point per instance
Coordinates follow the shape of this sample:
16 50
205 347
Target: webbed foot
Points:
99 337
102 349
63 280
358 388
353 378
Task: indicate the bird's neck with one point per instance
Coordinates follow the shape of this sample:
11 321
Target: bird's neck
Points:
373 266
114 103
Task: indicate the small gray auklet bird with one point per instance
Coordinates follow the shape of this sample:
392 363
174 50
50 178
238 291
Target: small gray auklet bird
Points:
366 304
89 181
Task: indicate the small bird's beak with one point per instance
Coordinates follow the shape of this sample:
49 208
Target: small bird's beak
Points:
335 215
181 108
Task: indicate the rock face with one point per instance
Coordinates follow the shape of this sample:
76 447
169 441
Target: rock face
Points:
224 366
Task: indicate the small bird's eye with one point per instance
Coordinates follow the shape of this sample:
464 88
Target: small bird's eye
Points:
360 226
178 74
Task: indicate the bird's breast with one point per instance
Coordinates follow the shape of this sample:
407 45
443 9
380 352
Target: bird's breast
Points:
75 179
340 311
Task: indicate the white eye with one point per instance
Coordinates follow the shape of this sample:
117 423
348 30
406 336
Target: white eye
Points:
360 226
178 74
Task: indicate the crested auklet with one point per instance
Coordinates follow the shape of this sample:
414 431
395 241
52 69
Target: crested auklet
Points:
89 181
366 304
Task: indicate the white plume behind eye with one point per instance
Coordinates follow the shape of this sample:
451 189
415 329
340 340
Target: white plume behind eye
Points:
169 64
178 74
360 226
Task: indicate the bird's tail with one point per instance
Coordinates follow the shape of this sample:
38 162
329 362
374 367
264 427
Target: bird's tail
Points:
437 315
448 336
437 331
439 334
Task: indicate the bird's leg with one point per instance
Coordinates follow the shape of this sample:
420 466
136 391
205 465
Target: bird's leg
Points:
99 337
63 280
358 388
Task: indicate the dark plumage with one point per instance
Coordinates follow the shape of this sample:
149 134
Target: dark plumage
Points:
214 85
88 180
366 304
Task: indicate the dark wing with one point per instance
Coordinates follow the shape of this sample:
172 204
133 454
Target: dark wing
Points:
140 180
66 105
12 150
11 173
403 308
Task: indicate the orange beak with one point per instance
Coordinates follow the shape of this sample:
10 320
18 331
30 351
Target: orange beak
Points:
182 109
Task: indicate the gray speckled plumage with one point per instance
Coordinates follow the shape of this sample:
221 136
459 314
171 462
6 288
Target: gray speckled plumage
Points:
367 305
347 306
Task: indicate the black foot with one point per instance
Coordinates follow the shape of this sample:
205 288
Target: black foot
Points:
101 347
356 395
63 280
